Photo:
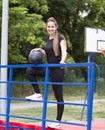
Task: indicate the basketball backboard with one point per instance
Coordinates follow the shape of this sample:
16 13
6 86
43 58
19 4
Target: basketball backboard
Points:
94 39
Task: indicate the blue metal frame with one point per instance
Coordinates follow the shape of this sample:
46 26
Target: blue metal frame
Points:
91 58
89 93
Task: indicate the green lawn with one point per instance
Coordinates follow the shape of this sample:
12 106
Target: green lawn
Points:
70 112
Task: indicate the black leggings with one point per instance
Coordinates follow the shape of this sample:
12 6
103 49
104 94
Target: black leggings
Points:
57 75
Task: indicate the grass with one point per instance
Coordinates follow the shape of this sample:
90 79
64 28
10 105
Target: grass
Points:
70 112
71 93
99 110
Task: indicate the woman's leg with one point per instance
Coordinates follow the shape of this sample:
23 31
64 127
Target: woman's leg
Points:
32 74
59 96
57 75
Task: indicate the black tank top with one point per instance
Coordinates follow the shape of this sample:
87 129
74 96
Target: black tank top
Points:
51 58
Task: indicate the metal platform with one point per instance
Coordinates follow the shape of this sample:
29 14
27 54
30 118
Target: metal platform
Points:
96 125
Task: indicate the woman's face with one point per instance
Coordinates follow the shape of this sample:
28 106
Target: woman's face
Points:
51 28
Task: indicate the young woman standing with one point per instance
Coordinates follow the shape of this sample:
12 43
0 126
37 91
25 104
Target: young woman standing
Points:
56 52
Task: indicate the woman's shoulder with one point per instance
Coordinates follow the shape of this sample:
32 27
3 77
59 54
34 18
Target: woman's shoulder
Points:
61 37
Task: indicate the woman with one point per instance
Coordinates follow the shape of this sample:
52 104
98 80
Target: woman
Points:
55 52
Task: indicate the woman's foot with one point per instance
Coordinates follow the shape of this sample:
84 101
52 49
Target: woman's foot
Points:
54 125
36 96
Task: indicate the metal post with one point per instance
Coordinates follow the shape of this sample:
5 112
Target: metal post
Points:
45 98
4 56
91 96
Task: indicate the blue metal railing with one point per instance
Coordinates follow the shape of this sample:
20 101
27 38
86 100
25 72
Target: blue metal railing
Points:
89 94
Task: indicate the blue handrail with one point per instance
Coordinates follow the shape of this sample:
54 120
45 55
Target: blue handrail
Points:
89 95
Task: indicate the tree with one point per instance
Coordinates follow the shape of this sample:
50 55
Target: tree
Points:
26 28
27 25
73 16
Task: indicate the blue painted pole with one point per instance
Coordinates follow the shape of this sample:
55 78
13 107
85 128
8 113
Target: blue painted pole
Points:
91 96
8 97
45 98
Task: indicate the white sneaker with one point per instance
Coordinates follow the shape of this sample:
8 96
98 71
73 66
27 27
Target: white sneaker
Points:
54 125
35 96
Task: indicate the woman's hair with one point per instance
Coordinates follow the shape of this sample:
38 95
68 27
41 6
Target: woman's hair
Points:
56 37
53 20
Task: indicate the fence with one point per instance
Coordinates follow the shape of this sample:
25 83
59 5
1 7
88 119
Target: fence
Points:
89 93
100 80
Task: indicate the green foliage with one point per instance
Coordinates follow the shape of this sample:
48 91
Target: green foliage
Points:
73 16
26 28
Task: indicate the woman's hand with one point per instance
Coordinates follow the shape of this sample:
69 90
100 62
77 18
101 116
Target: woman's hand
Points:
103 52
62 62
41 50
36 49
